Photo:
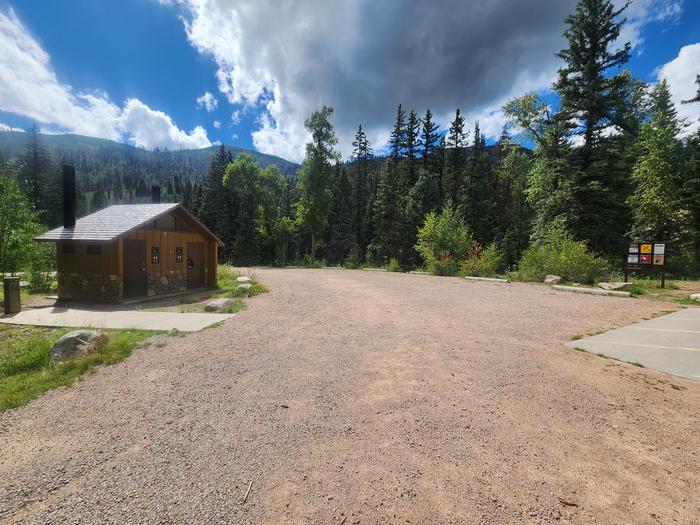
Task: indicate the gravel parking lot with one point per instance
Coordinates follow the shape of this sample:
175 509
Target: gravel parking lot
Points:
366 397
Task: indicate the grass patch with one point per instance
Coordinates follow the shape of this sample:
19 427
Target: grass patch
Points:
27 372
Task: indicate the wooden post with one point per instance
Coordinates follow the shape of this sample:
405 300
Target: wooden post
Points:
13 303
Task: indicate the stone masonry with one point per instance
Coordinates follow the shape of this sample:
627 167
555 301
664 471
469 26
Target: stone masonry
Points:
166 282
90 287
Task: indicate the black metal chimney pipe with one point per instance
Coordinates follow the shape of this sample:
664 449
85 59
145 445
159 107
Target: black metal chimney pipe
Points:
155 194
69 196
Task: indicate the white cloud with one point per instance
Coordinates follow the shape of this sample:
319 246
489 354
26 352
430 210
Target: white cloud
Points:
236 117
642 12
285 60
234 137
152 129
29 87
217 124
207 101
680 74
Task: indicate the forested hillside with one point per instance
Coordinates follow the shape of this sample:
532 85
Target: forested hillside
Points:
109 172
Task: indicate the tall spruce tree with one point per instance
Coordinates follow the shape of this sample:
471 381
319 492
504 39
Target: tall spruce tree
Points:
656 174
315 176
361 154
341 239
413 147
455 160
592 101
216 204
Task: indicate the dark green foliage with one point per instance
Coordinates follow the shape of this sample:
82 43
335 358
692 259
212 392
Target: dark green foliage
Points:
315 196
342 241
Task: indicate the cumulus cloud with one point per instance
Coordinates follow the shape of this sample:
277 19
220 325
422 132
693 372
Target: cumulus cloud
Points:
641 12
236 117
217 124
29 87
363 58
207 101
680 74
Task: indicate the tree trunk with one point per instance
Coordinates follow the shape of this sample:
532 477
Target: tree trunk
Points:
313 246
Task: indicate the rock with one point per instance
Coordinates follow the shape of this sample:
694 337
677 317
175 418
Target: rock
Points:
244 286
244 280
695 296
77 344
553 279
24 284
214 305
616 286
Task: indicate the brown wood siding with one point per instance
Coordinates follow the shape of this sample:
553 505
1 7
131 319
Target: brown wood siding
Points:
106 263
167 241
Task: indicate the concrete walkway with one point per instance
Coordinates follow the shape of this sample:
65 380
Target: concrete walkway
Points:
83 317
670 343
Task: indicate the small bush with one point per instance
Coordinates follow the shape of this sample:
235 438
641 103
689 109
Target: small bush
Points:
482 262
443 240
41 265
559 254
393 265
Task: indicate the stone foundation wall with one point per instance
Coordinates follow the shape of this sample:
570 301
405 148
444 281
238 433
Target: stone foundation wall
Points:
166 282
90 288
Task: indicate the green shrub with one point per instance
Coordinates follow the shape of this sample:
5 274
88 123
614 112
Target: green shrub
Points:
41 265
482 262
559 254
443 240
393 265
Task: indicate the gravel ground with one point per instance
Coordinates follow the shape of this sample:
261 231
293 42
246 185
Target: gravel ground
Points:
365 397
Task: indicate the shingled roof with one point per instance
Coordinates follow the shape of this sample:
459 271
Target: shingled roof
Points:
112 222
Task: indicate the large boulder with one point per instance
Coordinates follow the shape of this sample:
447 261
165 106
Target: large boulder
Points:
243 280
616 286
215 305
77 344
553 279
695 297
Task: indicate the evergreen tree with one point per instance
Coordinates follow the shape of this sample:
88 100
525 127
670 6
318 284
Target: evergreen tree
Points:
215 205
656 173
592 101
315 197
397 141
341 240
455 160
388 215
549 186
362 152
430 143
413 146
589 96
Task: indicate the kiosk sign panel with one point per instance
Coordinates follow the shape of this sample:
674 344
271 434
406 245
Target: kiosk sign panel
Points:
646 256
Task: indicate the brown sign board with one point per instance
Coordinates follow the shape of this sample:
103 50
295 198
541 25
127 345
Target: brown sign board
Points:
646 256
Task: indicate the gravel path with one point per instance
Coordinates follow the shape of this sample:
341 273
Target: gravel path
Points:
365 397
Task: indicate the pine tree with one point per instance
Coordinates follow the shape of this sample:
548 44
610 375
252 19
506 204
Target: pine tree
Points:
215 206
388 215
430 142
341 240
397 141
413 146
455 161
656 173
315 197
592 101
589 95
362 152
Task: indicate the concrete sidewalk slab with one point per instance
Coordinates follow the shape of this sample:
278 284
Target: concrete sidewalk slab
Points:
117 319
670 343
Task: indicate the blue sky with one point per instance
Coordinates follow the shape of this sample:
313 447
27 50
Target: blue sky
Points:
133 70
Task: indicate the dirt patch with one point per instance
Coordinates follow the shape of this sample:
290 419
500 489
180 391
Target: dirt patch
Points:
370 398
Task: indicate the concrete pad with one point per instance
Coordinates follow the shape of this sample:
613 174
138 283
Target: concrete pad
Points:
670 343
117 319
